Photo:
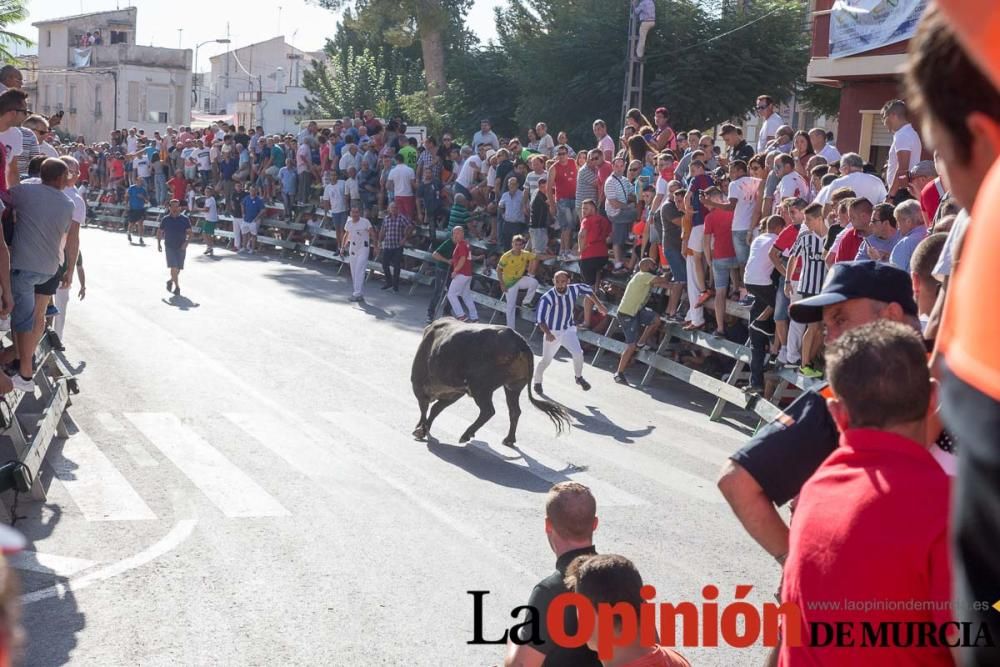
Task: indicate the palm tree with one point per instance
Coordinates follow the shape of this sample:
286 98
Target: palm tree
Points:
11 12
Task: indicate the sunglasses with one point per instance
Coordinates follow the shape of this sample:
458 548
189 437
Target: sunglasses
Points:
761 108
24 111
633 169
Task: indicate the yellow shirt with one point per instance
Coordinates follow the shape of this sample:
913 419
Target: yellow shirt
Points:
514 266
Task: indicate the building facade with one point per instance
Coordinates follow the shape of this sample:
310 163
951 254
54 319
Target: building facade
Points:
260 84
864 57
90 67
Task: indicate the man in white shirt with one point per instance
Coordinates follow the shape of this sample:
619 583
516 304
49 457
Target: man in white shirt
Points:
743 191
404 187
546 144
335 200
905 150
791 184
817 137
605 143
485 136
14 112
770 121
854 178
349 158
469 175
131 141
203 155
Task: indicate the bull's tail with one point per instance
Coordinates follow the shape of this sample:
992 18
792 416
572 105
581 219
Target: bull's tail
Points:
552 410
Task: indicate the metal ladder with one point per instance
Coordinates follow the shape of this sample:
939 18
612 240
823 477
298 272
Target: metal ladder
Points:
634 69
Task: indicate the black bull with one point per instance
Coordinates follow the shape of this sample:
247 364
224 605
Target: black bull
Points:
455 359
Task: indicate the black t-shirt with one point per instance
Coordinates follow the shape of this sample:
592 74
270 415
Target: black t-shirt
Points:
831 235
241 138
541 597
503 172
783 455
671 232
742 151
539 211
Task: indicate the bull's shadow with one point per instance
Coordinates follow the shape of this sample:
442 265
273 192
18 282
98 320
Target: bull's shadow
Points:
473 459
600 424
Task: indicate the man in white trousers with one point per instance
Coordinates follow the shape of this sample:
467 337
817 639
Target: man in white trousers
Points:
62 300
360 241
555 319
515 271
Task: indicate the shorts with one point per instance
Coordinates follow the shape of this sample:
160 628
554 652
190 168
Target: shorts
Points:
632 325
591 267
741 246
696 241
677 264
136 214
248 228
190 173
175 257
566 213
620 232
208 227
653 234
272 171
22 287
720 271
781 303
464 191
339 220
539 239
49 287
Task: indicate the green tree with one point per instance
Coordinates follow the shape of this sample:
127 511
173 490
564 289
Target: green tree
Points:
434 24
11 12
363 79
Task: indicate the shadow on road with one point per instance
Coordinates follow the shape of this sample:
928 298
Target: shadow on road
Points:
375 311
181 303
495 470
596 422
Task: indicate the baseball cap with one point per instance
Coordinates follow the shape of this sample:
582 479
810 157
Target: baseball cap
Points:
866 279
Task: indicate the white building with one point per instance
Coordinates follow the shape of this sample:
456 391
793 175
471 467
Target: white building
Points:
113 84
260 84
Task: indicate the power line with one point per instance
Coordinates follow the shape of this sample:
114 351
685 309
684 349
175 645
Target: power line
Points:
673 54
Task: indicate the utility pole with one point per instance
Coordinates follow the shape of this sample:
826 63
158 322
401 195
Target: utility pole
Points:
180 33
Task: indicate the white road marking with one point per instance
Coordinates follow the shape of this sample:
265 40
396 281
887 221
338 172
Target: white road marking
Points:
60 566
222 482
140 456
539 464
296 448
109 422
178 534
96 486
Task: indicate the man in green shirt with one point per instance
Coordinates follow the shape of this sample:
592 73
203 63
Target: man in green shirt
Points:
409 152
633 315
459 216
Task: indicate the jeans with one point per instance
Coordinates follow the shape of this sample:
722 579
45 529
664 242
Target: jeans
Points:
22 287
305 186
161 189
763 296
392 260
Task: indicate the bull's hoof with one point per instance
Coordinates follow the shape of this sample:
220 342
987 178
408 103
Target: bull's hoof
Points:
420 433
465 437
509 441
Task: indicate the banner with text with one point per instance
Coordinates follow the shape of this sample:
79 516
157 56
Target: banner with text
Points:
857 26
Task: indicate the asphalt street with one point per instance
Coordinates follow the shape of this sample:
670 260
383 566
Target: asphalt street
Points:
241 487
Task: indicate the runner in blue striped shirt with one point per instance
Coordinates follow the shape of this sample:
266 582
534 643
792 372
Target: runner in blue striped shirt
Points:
555 319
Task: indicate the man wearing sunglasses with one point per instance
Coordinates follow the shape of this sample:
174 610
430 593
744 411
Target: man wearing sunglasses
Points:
770 121
13 111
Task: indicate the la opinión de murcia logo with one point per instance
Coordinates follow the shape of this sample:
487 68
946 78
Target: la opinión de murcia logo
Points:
738 624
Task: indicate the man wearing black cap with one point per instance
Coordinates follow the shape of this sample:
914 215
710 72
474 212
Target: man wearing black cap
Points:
773 466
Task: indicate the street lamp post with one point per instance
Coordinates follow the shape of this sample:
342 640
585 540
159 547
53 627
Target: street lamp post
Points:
224 40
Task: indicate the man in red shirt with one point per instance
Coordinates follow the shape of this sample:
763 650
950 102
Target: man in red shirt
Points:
860 211
595 230
562 198
870 534
720 253
460 290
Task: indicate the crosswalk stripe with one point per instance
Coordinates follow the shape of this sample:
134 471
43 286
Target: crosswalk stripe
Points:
139 455
541 465
59 566
96 486
228 487
296 448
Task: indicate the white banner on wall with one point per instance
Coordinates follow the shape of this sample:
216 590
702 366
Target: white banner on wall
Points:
857 26
81 57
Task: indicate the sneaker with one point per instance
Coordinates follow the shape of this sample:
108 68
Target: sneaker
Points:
54 342
27 385
129 235
746 301
352 299
810 372
583 384
51 310
752 390
177 290
169 283
765 327
621 379
141 241
537 388
703 298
